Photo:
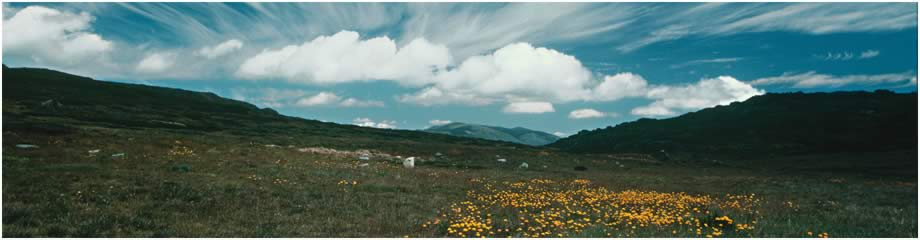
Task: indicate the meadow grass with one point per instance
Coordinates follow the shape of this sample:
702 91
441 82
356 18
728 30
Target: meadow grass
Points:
177 184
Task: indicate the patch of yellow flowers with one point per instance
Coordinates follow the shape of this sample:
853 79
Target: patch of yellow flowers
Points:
181 151
548 208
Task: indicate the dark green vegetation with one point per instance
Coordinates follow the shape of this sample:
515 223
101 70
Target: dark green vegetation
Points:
870 132
515 135
62 101
229 169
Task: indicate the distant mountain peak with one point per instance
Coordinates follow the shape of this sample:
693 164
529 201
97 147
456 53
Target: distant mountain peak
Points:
516 135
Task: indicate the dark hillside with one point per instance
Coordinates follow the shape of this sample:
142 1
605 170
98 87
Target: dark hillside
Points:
52 102
784 124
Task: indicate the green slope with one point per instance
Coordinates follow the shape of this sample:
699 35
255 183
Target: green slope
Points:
47 101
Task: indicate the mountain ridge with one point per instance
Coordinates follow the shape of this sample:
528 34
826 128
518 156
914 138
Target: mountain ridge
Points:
519 135
772 124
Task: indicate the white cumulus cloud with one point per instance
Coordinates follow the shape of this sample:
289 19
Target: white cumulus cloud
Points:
520 70
589 113
435 96
332 99
322 98
52 37
156 62
344 57
669 100
619 86
354 102
367 122
436 122
529 107
222 49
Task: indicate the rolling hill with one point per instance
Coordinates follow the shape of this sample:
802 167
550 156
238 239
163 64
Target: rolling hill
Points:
52 102
775 124
515 135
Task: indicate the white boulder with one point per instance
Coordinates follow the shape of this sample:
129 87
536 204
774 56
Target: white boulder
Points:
409 162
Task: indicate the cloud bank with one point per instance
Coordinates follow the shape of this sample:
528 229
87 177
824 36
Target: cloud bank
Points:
529 107
212 52
344 57
669 100
435 122
367 122
54 38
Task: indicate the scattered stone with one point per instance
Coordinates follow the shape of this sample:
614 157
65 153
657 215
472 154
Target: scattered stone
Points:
409 162
26 146
321 150
50 103
502 160
524 165
177 124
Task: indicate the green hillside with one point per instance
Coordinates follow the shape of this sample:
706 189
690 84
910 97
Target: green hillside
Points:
41 100
784 124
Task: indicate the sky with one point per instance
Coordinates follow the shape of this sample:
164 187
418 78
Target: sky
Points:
553 67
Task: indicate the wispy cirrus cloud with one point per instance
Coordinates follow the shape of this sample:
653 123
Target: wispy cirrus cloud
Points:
715 19
812 79
705 61
480 28
845 56
869 54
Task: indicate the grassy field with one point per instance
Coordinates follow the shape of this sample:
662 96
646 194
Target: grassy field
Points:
182 184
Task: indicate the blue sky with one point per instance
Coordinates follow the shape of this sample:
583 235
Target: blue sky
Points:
553 67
